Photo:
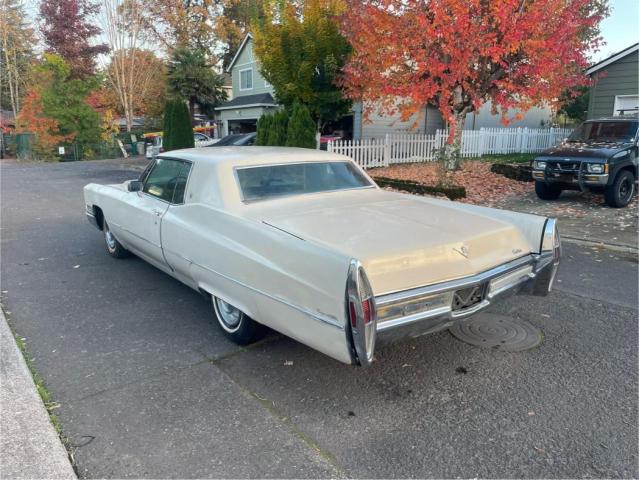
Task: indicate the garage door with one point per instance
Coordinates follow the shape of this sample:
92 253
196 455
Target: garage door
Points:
625 104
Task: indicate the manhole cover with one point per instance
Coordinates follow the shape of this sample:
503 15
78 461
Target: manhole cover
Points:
498 331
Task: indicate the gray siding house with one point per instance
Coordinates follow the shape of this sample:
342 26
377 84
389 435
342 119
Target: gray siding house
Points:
252 96
616 84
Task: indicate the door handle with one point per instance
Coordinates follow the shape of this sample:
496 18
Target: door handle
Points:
157 212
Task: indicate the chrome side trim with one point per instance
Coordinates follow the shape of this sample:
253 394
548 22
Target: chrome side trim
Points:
320 317
388 298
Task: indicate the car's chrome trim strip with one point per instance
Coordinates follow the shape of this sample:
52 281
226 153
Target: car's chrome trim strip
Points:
389 298
321 317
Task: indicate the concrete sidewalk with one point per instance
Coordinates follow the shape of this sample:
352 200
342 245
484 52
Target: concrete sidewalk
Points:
30 446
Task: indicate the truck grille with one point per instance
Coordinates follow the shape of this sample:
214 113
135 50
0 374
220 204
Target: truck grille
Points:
565 167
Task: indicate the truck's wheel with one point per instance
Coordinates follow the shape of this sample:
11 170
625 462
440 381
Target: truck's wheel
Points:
547 191
620 192
236 325
114 248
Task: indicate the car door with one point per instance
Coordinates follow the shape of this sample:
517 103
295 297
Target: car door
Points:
147 207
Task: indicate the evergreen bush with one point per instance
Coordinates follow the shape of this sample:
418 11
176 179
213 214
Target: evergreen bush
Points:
263 127
178 131
301 128
277 129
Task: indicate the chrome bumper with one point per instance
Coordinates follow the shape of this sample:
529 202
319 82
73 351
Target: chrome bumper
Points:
571 177
436 307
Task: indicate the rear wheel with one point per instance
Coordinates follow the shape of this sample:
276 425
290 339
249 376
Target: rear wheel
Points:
114 248
620 193
547 191
236 325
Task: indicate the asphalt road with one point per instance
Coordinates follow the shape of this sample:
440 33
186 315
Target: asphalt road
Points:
149 387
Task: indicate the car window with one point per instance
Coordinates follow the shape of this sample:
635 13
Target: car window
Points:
269 181
180 184
165 176
199 137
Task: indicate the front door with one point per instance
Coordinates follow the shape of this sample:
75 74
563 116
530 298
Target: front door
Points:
146 209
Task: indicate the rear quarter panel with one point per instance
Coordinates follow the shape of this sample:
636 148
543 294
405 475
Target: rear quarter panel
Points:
290 285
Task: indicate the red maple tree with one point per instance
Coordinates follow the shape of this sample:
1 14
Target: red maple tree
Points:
458 54
68 28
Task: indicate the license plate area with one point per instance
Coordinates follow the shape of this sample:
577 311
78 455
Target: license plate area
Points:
468 297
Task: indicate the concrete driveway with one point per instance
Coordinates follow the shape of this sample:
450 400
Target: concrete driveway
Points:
149 387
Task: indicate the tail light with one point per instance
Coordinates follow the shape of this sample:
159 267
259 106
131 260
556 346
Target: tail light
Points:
361 312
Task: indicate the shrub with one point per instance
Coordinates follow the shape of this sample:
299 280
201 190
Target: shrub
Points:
277 129
263 126
301 128
178 131
166 126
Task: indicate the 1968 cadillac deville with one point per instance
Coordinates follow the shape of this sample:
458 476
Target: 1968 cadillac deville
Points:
305 243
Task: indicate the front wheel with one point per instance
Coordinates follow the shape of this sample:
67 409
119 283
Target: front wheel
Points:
620 193
114 248
547 191
236 325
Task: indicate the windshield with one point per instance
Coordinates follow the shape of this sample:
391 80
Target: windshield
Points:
269 181
604 132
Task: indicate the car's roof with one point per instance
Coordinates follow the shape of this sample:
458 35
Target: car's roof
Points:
245 156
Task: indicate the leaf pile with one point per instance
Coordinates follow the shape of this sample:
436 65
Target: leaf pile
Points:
483 187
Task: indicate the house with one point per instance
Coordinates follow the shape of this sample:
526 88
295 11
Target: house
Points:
429 120
252 96
615 90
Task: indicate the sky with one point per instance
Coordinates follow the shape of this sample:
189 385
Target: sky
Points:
620 29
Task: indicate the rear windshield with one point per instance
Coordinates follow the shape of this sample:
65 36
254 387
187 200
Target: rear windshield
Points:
270 181
604 132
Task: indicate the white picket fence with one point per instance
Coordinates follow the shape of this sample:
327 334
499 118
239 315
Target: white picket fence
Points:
407 148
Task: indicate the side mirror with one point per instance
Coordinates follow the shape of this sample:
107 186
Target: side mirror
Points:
135 186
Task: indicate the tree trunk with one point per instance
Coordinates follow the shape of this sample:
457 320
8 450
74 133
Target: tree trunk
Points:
451 154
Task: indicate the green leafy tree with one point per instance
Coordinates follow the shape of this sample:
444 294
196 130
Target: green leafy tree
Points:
574 103
301 53
191 76
263 127
65 99
301 128
178 131
277 129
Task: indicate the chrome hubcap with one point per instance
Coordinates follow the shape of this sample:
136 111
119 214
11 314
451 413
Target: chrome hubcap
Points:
110 239
228 314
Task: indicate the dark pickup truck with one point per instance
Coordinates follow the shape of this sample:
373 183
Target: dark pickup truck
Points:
600 155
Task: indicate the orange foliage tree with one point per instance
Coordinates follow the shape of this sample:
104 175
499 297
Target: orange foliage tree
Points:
33 120
458 54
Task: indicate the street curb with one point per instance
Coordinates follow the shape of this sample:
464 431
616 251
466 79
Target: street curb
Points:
30 447
608 246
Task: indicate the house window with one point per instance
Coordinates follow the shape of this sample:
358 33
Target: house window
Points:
626 104
246 79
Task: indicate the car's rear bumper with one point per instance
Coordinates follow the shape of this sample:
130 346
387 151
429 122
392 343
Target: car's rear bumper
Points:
428 309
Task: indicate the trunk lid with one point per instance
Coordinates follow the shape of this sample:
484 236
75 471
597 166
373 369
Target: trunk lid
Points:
403 242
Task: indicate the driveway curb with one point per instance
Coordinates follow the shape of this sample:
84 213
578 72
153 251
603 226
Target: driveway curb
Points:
30 446
605 245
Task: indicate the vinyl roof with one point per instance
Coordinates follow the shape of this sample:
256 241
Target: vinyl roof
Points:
243 156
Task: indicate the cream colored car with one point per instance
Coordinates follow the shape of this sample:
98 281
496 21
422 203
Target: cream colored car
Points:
305 243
